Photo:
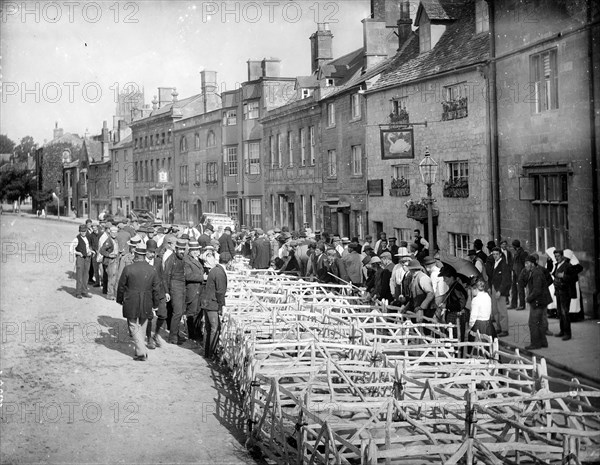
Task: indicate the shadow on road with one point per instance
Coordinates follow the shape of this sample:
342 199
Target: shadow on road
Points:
67 289
114 335
228 402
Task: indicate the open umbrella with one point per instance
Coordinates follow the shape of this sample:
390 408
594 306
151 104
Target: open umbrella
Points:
464 268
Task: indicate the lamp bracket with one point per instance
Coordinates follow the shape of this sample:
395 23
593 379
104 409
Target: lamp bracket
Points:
400 125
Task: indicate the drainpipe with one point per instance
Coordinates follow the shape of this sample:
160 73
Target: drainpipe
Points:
493 129
594 161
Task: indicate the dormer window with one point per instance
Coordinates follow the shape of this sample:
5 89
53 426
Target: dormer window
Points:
305 93
424 35
329 82
482 17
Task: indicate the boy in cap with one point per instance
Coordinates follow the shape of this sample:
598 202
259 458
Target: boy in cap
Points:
80 247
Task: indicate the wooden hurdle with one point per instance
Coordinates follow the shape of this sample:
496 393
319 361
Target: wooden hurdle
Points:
327 379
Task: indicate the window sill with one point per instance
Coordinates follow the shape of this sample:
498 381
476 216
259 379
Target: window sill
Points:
356 176
330 127
356 119
545 112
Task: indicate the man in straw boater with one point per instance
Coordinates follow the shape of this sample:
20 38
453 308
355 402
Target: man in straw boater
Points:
80 247
174 282
139 292
212 303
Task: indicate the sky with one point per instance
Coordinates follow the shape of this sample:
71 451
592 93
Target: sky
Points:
66 61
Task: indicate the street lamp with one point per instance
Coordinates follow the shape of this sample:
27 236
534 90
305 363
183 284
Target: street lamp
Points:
428 169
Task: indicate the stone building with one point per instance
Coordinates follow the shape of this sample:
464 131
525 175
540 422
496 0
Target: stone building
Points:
97 162
242 136
199 186
316 142
154 150
293 180
433 96
547 117
122 176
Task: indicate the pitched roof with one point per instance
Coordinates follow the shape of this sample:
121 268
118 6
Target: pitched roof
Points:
344 67
123 143
458 47
93 149
73 139
178 107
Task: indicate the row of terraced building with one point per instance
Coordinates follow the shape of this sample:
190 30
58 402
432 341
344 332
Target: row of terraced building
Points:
502 94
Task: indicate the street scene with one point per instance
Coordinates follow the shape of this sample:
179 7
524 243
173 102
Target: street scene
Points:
300 232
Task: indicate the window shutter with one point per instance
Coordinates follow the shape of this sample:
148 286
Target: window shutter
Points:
553 79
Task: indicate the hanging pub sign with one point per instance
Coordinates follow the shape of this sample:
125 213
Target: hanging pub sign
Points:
397 143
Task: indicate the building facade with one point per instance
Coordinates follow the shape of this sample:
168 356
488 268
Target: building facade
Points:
242 136
433 97
293 187
199 165
122 176
547 106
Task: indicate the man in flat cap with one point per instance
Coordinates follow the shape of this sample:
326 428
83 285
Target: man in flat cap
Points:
174 283
139 292
80 247
206 236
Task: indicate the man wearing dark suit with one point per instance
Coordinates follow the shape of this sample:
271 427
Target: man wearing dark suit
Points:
139 293
212 303
500 281
161 313
193 270
226 244
518 291
565 286
205 237
261 251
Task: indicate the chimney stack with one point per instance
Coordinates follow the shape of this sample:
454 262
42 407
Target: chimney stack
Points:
105 141
271 67
254 70
379 31
321 47
208 82
165 95
404 23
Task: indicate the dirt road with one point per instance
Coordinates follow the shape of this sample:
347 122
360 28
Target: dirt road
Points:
71 390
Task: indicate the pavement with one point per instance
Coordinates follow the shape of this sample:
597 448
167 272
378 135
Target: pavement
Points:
579 356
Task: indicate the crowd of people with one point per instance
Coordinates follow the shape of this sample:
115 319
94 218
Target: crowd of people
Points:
405 276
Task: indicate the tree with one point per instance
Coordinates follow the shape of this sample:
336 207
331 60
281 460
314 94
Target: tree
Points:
26 147
52 165
6 145
16 183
